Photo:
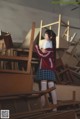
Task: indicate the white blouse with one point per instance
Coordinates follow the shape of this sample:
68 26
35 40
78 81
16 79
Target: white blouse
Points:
46 44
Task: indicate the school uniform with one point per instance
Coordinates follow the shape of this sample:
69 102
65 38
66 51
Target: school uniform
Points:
46 69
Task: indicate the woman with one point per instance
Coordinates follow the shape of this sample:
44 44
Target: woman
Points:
46 72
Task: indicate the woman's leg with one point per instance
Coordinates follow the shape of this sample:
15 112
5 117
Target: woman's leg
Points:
43 87
53 94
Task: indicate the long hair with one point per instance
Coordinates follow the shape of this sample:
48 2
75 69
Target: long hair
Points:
52 37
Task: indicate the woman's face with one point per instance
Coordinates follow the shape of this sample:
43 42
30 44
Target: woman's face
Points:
46 36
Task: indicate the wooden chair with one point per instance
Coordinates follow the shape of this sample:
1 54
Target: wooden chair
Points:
61 41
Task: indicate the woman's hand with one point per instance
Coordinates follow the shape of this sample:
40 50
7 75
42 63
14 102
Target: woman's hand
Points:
44 51
36 46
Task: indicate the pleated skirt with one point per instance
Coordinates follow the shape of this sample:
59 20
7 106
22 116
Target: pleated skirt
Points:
45 75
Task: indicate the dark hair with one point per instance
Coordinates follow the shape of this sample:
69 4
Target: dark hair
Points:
52 37
50 34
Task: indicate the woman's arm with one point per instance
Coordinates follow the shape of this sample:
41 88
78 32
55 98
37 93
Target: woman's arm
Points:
42 53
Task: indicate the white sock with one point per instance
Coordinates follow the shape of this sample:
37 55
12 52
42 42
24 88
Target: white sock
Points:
53 94
43 87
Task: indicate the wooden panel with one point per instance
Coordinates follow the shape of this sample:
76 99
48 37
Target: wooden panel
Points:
13 58
65 92
63 115
15 83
